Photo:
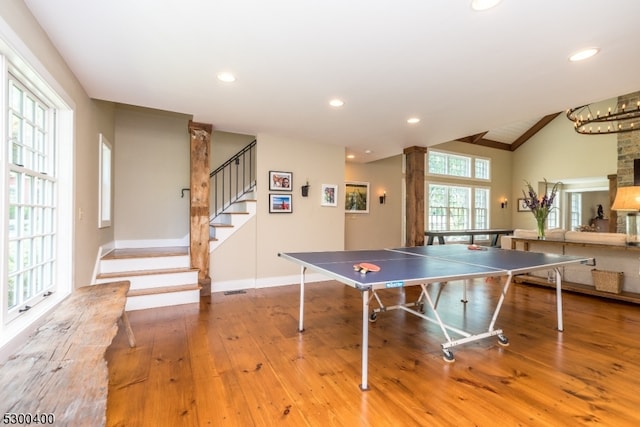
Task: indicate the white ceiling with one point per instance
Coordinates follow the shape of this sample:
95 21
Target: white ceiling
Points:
462 72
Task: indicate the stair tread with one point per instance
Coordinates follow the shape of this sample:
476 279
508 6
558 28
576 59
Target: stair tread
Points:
235 213
220 224
124 253
145 272
163 290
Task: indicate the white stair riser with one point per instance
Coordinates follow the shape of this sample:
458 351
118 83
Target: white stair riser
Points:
225 219
143 302
222 233
156 280
143 264
237 220
243 206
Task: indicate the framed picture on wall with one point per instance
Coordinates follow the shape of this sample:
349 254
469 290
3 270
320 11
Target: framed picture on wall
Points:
356 197
329 195
522 206
280 181
280 203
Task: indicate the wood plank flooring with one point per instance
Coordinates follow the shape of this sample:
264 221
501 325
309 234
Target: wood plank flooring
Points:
238 360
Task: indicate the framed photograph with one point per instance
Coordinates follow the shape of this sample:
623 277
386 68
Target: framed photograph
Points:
280 181
522 206
329 195
280 203
356 197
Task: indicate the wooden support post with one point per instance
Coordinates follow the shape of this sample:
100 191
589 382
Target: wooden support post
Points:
199 211
415 163
613 215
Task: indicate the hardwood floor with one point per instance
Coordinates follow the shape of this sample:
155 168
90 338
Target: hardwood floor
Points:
238 360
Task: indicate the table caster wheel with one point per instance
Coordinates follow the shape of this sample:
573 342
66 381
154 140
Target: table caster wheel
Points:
373 317
503 341
448 356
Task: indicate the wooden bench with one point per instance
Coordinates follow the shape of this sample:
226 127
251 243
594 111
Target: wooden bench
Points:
61 374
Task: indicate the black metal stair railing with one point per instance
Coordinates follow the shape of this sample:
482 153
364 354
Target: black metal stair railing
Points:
233 179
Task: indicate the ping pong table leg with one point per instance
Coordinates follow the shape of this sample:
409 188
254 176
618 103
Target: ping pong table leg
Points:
364 386
301 324
464 292
559 298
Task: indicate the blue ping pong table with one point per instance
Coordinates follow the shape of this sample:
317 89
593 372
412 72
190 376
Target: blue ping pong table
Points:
422 266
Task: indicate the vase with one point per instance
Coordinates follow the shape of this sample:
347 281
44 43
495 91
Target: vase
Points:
541 223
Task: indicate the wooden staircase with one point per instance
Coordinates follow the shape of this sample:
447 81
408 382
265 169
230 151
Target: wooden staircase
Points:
159 277
162 276
231 219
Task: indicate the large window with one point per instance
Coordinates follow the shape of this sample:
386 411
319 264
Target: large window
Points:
458 166
575 215
36 186
451 205
554 218
457 207
32 183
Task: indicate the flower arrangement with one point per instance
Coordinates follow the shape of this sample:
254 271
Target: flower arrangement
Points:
540 207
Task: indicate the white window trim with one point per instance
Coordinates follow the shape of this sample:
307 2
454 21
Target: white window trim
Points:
13 334
471 188
471 158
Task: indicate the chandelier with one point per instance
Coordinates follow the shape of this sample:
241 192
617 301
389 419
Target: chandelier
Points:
621 119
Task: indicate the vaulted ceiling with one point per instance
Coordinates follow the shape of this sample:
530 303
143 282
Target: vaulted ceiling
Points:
489 78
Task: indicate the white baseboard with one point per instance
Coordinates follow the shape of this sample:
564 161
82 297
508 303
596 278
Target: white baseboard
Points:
232 285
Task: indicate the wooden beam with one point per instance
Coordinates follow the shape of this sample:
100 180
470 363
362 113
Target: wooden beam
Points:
473 139
199 207
494 144
415 173
533 130
478 139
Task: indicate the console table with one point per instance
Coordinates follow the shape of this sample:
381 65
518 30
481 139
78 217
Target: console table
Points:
441 234
631 297
564 243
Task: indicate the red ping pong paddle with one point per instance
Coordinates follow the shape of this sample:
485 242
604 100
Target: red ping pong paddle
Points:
364 267
476 248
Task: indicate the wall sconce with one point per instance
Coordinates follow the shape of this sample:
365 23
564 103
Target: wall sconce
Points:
383 198
305 189
504 203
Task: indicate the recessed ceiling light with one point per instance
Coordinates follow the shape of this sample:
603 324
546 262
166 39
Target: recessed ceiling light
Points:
351 156
336 102
480 5
584 54
368 151
413 120
226 77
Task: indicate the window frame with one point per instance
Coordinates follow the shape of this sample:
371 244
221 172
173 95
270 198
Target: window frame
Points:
471 219
473 174
105 186
32 169
16 58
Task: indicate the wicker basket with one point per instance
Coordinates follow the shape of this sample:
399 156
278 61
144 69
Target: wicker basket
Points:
607 281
